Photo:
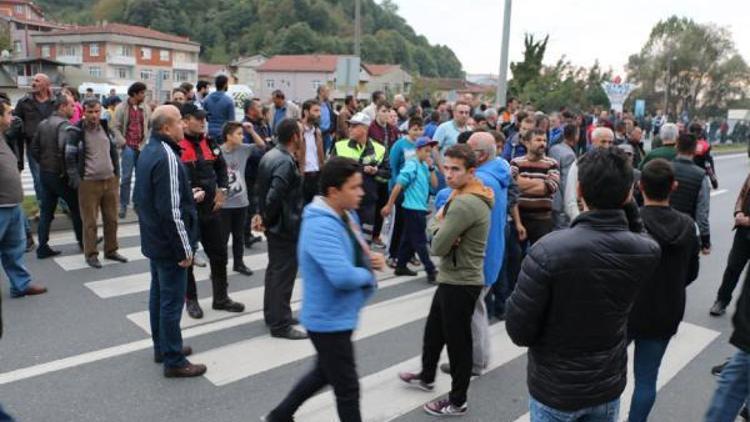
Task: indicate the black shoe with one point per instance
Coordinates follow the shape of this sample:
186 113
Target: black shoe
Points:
194 309
446 369
99 239
404 271
289 333
228 305
744 413
123 212
93 262
294 321
243 269
186 351
45 252
716 370
718 309
187 371
114 256
250 240
30 244
432 277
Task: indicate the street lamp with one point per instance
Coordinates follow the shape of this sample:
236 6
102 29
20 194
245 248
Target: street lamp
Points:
666 87
502 77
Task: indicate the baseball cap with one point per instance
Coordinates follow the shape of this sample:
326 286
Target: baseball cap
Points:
424 141
360 119
190 109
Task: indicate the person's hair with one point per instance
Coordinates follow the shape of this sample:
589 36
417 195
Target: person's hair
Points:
490 112
320 88
187 86
385 104
521 116
91 103
278 94
228 128
528 119
5 104
425 103
669 132
249 103
498 135
159 121
308 105
348 100
510 100
221 82
113 101
179 89
606 178
136 89
479 117
435 116
416 121
376 95
464 153
60 100
201 84
286 130
335 172
464 136
528 136
461 103
686 143
441 102
570 132
696 129
657 177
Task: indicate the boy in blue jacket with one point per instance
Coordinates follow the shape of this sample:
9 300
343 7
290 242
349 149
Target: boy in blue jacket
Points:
337 270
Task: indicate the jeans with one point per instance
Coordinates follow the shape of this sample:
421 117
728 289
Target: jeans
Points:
4 417
607 412
129 158
536 229
646 363
733 390
310 186
335 366
506 281
279 282
449 324
12 248
34 169
53 188
168 281
233 222
397 227
736 262
327 143
414 239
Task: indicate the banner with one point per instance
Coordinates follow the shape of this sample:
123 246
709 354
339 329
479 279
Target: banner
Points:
617 93
640 108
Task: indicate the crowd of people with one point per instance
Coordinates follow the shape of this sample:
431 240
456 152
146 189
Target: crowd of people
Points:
560 224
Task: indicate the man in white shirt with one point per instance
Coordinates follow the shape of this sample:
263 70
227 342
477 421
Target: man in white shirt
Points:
311 157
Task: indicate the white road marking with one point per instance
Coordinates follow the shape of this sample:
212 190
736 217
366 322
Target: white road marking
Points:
68 237
718 192
729 156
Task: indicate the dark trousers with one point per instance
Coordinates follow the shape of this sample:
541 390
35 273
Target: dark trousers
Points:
398 224
501 290
414 239
536 229
252 207
310 186
382 200
53 188
738 257
233 222
279 282
449 324
367 213
215 245
335 367
165 310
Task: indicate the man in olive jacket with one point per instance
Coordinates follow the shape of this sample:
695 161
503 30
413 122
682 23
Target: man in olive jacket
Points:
459 238
571 303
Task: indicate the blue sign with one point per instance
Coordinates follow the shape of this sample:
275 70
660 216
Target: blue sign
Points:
640 108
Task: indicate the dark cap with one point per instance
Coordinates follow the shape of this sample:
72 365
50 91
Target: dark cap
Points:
190 109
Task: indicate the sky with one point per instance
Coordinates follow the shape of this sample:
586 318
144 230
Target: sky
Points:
582 30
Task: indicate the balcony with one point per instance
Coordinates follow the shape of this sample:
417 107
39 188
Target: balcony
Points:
117 59
70 59
185 65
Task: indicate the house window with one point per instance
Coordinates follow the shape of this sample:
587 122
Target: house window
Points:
316 84
181 76
94 49
19 9
121 73
69 50
147 74
270 84
17 47
95 71
165 75
126 50
146 53
164 55
46 51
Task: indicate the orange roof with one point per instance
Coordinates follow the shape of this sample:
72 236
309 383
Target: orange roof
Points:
210 69
31 4
301 63
122 29
381 69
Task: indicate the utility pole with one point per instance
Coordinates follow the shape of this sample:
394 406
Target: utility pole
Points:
357 28
666 87
502 77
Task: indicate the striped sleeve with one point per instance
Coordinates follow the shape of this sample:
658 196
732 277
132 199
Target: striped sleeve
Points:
174 201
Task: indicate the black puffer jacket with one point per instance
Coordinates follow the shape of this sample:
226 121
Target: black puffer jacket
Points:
571 305
279 190
660 304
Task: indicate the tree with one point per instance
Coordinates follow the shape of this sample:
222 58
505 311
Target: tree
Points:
297 39
531 66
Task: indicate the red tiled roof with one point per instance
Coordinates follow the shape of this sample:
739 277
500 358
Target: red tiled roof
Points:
381 69
47 24
210 69
31 4
301 63
122 29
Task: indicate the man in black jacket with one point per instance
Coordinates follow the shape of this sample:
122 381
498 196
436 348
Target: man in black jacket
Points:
32 109
279 190
573 296
660 304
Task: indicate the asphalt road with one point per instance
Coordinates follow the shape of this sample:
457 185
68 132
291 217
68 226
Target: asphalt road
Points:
79 353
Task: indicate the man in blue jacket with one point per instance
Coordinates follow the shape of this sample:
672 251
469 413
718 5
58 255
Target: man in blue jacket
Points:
167 220
220 108
337 270
493 172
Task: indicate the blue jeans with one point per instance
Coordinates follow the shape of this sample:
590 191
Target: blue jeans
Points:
327 143
4 417
607 412
129 158
34 169
646 363
12 248
506 280
168 285
733 390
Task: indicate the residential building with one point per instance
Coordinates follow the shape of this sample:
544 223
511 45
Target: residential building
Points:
245 70
124 54
450 89
208 72
22 18
389 78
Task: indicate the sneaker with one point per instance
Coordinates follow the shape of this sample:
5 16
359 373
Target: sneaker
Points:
415 381
716 370
718 309
445 408
404 271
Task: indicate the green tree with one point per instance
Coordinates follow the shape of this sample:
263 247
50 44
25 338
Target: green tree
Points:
297 39
531 66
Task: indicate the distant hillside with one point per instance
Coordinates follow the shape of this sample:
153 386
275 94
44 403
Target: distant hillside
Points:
228 28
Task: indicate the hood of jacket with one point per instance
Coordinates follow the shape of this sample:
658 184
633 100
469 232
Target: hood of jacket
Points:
216 96
477 188
497 170
661 224
319 208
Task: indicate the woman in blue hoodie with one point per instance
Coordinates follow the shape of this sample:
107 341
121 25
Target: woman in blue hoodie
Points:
337 272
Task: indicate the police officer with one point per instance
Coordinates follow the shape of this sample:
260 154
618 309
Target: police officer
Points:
208 173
